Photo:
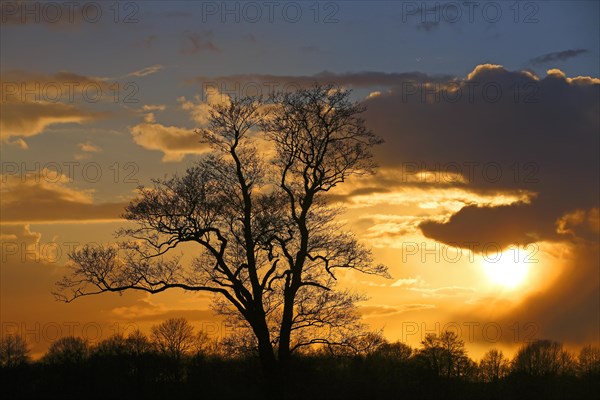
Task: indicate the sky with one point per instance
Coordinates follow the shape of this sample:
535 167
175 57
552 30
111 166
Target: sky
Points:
485 206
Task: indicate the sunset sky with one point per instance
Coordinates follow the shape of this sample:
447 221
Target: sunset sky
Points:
485 206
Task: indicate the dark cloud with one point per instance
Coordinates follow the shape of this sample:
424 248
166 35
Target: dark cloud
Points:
476 227
547 146
356 192
557 56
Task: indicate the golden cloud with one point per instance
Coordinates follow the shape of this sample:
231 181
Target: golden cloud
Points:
174 142
31 101
45 196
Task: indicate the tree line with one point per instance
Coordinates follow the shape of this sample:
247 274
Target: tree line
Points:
175 361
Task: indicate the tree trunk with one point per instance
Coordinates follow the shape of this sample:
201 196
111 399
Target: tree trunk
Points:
285 331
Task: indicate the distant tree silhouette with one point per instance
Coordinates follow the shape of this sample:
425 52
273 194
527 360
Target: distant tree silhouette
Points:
363 344
69 350
589 361
268 243
397 351
174 337
543 358
13 351
445 355
138 343
133 367
493 366
115 345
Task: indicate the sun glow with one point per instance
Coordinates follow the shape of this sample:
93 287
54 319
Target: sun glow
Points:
509 268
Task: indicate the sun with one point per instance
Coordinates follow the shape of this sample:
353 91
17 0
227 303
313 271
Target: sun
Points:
508 268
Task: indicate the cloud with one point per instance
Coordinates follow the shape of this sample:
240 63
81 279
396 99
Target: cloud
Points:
31 102
176 142
88 147
147 71
418 285
20 143
502 146
446 291
518 223
21 232
46 196
29 119
199 109
580 224
146 311
386 311
416 281
557 56
17 82
173 141
154 107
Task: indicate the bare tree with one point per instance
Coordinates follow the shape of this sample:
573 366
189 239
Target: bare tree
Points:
114 345
589 361
68 350
268 244
174 337
138 343
543 358
493 366
13 351
445 355
396 351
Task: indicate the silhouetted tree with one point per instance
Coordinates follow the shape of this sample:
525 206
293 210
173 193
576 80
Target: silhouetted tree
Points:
268 243
115 345
69 350
363 343
13 351
445 355
543 358
397 351
138 343
174 337
493 366
589 361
